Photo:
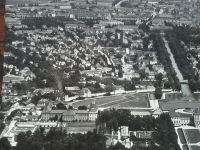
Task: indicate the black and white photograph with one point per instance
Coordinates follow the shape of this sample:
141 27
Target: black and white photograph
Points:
99 74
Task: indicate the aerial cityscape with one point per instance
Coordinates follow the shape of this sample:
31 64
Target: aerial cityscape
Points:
99 75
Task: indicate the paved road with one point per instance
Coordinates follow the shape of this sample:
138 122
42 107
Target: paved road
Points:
184 86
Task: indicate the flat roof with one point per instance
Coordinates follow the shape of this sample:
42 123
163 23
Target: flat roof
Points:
169 105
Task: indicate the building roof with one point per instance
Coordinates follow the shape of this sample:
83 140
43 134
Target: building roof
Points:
82 112
173 105
32 117
74 88
158 111
85 90
175 114
69 113
12 78
57 111
140 112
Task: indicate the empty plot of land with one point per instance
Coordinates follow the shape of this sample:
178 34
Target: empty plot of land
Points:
136 100
127 100
192 135
99 101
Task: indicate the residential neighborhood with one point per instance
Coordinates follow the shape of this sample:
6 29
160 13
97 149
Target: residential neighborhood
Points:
123 74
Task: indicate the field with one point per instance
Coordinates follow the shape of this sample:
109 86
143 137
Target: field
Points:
192 135
128 100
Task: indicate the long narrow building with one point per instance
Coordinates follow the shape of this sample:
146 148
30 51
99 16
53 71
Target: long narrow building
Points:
2 40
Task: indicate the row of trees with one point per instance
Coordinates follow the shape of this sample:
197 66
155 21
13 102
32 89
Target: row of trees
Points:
58 139
163 57
181 57
36 98
180 54
112 119
158 85
190 36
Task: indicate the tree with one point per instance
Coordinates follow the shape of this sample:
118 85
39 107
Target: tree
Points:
57 139
61 106
158 93
110 88
13 114
120 73
82 107
2 126
159 77
70 107
118 146
167 85
142 75
129 85
5 144
165 135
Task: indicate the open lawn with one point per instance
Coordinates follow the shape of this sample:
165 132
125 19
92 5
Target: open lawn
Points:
126 100
136 100
192 136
